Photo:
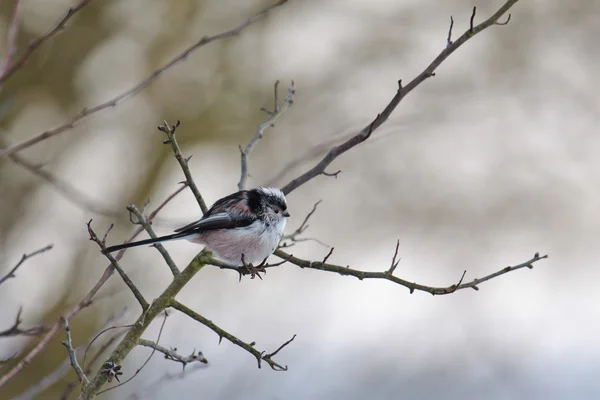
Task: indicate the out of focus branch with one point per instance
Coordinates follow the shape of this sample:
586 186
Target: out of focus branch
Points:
169 130
13 30
277 112
383 116
85 302
86 112
14 330
388 274
13 66
249 347
25 257
64 188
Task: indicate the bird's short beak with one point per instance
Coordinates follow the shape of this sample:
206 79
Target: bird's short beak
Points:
286 214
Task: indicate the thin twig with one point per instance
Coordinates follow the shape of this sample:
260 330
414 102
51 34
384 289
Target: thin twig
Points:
86 112
72 356
85 302
233 339
394 261
412 286
293 237
13 67
171 354
169 130
277 112
25 257
161 249
364 134
102 244
14 330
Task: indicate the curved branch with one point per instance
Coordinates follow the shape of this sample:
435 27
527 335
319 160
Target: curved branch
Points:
365 133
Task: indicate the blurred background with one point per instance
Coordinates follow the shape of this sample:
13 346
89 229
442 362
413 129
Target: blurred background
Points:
493 159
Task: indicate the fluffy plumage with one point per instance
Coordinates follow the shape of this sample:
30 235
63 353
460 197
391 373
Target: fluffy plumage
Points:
249 222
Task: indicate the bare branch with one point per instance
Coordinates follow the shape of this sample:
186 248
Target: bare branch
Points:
10 68
13 30
171 354
161 249
428 72
14 330
131 339
323 266
449 40
145 362
86 112
169 130
102 244
260 130
249 347
293 237
25 257
72 356
85 302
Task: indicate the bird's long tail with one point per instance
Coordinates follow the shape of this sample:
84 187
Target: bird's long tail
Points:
165 238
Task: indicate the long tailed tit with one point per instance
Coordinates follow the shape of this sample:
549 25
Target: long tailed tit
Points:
247 224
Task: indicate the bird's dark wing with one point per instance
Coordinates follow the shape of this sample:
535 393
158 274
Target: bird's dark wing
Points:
217 221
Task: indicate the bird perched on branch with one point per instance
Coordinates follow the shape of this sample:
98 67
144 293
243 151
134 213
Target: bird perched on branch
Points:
241 229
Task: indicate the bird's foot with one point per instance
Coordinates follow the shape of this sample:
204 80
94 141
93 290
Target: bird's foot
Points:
253 271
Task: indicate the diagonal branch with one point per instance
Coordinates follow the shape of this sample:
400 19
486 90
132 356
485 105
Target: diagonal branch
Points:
365 133
249 347
148 227
86 112
387 275
13 30
10 68
277 112
34 389
102 244
64 188
145 362
85 302
25 257
134 334
169 130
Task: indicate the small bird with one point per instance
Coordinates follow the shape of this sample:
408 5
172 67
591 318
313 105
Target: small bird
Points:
241 229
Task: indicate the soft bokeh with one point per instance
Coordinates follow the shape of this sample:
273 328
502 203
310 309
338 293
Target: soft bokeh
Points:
493 159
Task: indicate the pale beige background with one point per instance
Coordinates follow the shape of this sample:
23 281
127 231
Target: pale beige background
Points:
495 158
